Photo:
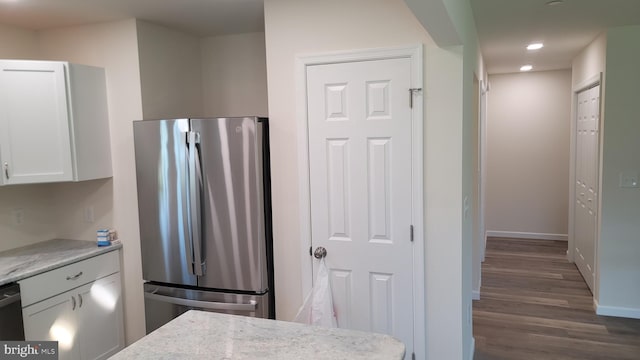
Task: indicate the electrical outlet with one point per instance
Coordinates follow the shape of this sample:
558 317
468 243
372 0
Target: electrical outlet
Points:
17 216
88 214
629 180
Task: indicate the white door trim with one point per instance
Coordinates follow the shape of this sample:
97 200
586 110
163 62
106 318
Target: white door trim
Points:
484 84
414 53
587 83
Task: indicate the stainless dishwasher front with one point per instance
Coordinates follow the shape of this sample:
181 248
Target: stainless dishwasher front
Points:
11 327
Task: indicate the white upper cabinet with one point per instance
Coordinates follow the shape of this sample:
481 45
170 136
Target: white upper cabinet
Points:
54 122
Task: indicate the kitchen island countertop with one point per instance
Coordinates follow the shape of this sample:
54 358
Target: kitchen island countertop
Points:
17 264
206 335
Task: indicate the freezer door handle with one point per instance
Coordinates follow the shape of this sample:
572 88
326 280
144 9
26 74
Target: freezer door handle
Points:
195 208
209 305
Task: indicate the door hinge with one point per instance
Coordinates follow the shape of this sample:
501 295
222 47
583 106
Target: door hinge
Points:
411 232
411 91
413 356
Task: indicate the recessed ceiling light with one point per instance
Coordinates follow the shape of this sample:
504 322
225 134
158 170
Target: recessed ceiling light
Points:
535 46
555 2
526 68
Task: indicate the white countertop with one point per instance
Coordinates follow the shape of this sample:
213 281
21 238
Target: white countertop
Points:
206 335
17 264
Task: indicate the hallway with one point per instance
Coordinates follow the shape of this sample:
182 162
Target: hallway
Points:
535 305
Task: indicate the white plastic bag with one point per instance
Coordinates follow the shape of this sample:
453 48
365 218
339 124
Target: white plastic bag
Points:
317 308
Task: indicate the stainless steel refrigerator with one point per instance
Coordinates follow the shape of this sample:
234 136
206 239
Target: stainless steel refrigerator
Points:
205 216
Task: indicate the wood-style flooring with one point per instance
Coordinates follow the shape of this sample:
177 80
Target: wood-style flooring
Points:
535 305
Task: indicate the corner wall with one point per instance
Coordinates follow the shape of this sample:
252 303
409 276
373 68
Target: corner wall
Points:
619 244
528 128
113 46
451 24
616 54
587 65
34 201
170 72
296 27
17 43
234 75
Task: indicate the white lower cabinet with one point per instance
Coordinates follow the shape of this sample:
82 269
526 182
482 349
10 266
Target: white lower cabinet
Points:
54 319
86 321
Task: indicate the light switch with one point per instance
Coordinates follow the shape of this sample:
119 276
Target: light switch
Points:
629 180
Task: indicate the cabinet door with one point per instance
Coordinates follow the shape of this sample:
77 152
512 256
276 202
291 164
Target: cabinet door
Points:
34 122
100 318
54 319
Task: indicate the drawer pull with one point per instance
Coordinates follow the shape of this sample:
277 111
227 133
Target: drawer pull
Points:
74 277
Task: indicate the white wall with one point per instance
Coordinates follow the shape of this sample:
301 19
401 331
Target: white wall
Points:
452 23
70 202
17 43
445 295
296 28
303 27
114 47
462 14
616 54
591 60
528 132
586 66
619 244
36 204
170 72
234 75
35 201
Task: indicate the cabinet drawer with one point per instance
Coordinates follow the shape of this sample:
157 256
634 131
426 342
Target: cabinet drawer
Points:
50 283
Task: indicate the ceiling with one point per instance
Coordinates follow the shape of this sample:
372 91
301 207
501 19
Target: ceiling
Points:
198 17
506 27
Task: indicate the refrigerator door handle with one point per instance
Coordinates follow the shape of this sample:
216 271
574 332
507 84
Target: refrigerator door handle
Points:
195 208
209 305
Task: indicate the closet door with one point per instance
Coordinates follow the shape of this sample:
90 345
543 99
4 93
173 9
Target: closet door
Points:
586 186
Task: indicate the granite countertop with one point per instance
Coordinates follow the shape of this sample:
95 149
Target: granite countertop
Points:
17 264
206 335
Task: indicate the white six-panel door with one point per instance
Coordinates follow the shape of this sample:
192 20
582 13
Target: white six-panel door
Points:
586 186
360 142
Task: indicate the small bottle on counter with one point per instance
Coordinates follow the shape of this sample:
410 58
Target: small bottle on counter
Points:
103 237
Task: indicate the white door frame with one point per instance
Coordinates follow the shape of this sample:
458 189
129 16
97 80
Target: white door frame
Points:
588 83
484 90
414 53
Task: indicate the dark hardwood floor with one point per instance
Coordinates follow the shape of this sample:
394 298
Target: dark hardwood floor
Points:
535 305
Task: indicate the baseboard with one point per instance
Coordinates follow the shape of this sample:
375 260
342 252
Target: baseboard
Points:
615 311
475 294
527 235
473 348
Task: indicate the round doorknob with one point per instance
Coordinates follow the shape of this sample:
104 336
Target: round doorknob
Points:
320 252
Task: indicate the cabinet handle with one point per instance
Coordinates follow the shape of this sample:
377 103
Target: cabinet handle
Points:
74 277
73 303
80 298
6 169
